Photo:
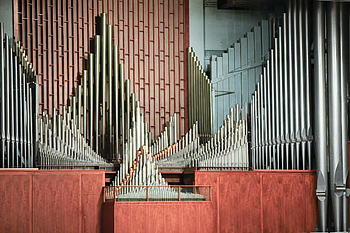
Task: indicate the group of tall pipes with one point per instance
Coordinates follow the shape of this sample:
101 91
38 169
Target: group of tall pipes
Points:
200 105
331 73
227 149
17 105
103 108
280 106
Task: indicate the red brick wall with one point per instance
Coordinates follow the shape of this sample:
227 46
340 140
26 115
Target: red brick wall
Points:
51 201
152 35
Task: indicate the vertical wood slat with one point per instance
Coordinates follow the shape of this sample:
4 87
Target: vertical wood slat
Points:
150 36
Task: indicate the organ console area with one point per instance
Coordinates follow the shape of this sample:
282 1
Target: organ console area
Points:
125 93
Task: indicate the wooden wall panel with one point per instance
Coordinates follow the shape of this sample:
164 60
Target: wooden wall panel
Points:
152 35
162 217
262 201
51 201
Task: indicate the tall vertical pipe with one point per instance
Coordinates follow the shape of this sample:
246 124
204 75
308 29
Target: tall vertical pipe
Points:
271 107
296 82
7 101
301 67
344 76
103 77
122 106
281 95
334 95
110 89
97 91
11 106
291 89
260 122
116 100
85 107
307 84
16 110
91 101
265 118
127 107
2 97
277 140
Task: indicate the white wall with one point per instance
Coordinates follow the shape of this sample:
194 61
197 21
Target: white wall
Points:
196 27
6 16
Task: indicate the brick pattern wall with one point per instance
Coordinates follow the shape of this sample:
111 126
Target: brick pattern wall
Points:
152 36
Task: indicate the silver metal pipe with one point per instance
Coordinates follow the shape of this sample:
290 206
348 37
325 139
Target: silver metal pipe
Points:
97 93
116 100
266 127
261 122
291 85
281 139
127 107
286 137
91 101
296 78
122 106
85 107
335 127
277 119
16 111
344 85
302 124
110 66
103 78
2 97
307 85
271 109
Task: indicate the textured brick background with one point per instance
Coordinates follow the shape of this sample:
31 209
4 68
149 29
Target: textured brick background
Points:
152 35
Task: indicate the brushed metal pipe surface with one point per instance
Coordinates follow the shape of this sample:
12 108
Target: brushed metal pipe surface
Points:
122 106
91 101
97 57
2 97
281 98
344 85
103 78
266 141
116 105
296 78
302 60
291 77
110 66
307 84
334 96
286 137
85 106
271 108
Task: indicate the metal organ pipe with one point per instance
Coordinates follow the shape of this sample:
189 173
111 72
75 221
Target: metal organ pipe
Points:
334 95
17 105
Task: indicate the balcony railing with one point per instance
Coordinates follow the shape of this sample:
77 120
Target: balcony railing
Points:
157 193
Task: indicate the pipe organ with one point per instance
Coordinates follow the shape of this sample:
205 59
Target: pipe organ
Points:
103 121
18 105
